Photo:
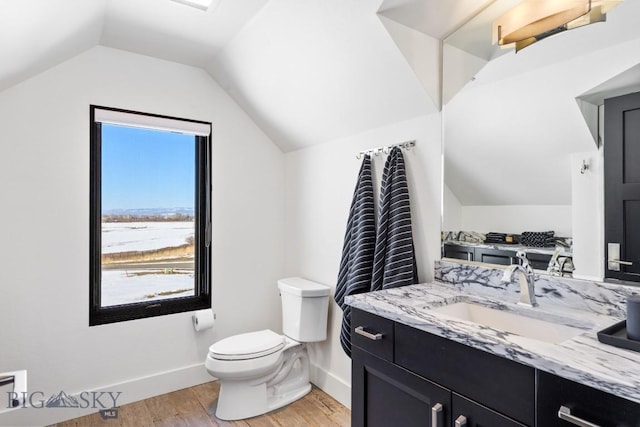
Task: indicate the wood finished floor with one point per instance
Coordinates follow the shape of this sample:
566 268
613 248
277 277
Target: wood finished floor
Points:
195 407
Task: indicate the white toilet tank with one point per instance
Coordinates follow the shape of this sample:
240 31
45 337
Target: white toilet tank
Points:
304 309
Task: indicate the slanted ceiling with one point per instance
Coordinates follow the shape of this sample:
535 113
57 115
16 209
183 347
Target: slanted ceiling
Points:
312 71
37 34
306 71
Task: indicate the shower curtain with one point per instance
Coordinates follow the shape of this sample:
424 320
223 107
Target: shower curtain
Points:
356 265
394 260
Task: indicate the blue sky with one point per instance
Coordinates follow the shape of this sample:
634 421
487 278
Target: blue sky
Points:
146 169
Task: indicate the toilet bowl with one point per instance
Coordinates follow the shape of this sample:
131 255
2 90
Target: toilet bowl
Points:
262 371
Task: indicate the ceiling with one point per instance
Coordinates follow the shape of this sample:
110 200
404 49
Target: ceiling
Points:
31 41
306 71
435 18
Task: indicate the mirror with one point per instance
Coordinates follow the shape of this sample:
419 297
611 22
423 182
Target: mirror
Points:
523 132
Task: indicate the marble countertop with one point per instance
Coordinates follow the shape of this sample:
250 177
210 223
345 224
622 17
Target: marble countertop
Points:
582 358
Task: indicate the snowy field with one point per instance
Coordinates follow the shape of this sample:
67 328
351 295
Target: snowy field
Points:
150 282
142 236
119 287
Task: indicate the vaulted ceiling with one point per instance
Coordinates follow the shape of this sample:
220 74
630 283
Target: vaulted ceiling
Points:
306 71
310 71
37 34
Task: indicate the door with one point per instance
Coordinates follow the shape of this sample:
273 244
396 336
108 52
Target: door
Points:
622 187
385 395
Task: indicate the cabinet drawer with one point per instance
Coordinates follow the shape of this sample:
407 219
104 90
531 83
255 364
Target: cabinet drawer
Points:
591 405
500 384
477 415
372 333
495 256
458 252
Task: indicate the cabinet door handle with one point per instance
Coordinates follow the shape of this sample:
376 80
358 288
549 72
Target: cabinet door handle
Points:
564 413
360 331
619 261
613 257
461 421
7 379
436 415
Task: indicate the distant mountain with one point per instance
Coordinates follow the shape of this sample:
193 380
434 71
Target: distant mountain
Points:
62 400
149 211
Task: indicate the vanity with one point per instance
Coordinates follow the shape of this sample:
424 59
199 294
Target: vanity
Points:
460 354
523 150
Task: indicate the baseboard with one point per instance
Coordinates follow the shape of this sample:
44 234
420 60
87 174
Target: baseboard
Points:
331 384
131 391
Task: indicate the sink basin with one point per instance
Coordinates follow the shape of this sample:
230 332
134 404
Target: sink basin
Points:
512 322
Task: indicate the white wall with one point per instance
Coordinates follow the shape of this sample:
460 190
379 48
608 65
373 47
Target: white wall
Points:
518 218
587 193
513 219
319 188
44 228
452 209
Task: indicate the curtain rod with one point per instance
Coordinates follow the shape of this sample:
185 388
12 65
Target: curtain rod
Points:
407 145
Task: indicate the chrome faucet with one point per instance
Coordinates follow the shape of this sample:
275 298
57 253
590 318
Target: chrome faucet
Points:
527 280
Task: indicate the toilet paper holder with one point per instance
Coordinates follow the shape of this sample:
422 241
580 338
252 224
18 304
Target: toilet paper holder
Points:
203 319
18 382
6 380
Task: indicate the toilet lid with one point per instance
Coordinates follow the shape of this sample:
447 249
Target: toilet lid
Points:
247 346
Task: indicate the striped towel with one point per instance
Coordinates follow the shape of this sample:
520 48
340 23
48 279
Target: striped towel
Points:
394 261
357 253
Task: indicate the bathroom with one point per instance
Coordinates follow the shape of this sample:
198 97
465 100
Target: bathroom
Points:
291 105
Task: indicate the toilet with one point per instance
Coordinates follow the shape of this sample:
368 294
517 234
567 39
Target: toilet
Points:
262 371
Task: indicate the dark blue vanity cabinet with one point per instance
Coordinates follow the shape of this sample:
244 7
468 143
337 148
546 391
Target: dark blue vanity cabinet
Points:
402 376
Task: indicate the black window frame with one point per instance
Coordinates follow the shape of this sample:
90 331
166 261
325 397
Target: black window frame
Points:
201 299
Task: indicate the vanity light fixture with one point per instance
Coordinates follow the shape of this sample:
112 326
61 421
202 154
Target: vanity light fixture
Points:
198 4
534 20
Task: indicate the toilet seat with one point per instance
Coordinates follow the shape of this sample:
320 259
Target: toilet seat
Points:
250 345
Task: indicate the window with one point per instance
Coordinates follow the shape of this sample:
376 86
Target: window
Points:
150 237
